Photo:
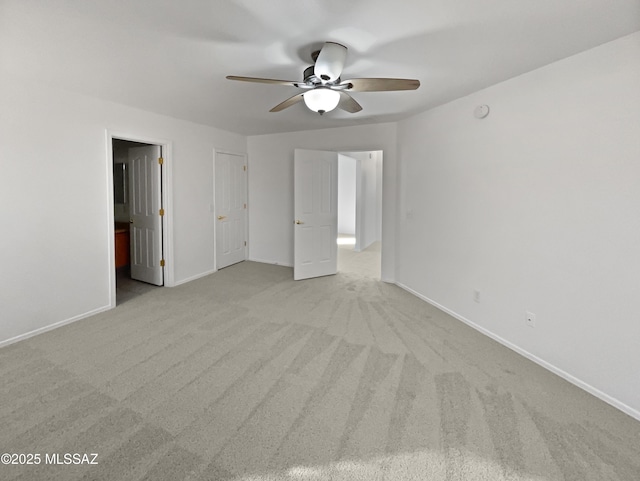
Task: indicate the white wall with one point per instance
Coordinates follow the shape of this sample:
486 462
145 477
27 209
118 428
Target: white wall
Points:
538 207
53 155
367 213
271 186
378 156
121 212
346 194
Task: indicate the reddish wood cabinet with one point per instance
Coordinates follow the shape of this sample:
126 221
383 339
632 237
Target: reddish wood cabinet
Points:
122 245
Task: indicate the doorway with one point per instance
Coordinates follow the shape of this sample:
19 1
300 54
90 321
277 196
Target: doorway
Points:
138 215
360 213
318 243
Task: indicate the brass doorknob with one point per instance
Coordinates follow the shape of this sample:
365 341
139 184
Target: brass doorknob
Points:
299 222
221 217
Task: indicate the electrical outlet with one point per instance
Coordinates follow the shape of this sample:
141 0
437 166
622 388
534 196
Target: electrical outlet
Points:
476 295
530 319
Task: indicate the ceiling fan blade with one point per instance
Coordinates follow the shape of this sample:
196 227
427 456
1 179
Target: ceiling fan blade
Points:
348 103
381 84
263 80
330 62
287 103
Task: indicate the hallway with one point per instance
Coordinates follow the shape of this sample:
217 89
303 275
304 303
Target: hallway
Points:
365 263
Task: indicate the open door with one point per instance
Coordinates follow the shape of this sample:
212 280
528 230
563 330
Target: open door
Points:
316 213
146 214
231 208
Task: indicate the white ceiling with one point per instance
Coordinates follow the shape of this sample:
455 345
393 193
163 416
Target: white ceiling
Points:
171 57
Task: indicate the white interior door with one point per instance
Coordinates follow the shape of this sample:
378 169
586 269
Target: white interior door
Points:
316 213
231 208
146 220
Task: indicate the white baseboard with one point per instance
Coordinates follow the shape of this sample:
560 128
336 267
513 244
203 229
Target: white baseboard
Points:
193 278
55 325
264 261
634 413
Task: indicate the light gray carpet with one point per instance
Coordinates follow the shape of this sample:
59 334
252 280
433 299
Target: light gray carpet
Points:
127 288
365 263
249 375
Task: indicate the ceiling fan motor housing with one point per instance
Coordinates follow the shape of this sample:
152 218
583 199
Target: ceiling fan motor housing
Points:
310 77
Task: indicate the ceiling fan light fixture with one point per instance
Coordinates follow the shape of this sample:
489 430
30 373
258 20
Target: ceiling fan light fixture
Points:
321 99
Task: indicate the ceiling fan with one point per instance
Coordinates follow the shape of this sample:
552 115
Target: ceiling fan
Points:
324 90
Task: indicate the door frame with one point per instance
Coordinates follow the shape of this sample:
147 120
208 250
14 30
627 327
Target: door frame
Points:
214 207
167 203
